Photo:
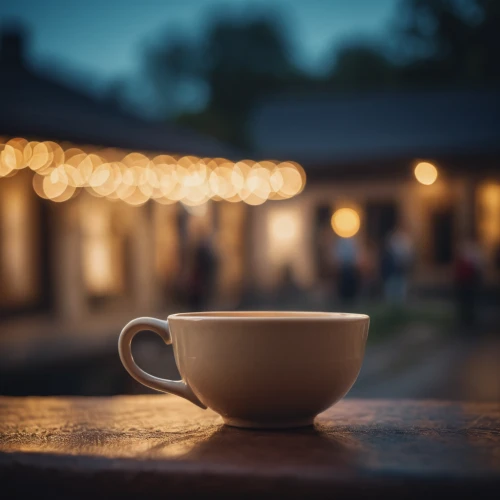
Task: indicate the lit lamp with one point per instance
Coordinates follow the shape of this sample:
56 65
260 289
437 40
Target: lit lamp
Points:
426 173
345 222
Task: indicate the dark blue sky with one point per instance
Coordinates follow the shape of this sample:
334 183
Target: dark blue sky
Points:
102 40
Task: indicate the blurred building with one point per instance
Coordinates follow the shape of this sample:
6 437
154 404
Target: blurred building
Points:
88 257
360 151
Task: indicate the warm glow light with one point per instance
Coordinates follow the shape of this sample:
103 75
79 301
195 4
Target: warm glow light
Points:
136 198
38 186
102 180
17 266
292 180
11 157
69 192
345 222
426 173
62 170
57 153
135 159
488 197
40 156
259 185
5 166
55 184
197 210
15 153
75 178
283 227
102 259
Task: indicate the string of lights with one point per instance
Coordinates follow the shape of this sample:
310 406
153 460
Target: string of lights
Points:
62 171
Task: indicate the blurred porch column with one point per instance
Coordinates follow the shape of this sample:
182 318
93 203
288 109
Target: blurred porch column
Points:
69 290
467 208
143 279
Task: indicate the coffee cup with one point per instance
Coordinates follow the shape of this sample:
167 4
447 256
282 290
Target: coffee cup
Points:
257 369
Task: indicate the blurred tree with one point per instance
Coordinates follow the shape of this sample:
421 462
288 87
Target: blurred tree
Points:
246 62
115 94
214 84
451 41
172 69
359 67
437 42
239 63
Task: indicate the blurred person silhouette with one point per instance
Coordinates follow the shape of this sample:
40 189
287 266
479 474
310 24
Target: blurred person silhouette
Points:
496 260
346 256
202 274
368 267
396 263
290 295
496 257
287 278
467 278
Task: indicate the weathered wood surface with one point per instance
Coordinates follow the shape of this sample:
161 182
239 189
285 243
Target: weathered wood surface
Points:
161 446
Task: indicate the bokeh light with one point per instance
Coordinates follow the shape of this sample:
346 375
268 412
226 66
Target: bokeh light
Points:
61 172
345 222
40 156
284 227
426 173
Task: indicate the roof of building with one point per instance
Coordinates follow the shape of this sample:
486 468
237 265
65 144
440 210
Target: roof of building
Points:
36 105
326 129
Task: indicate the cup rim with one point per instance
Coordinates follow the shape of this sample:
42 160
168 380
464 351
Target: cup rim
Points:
269 316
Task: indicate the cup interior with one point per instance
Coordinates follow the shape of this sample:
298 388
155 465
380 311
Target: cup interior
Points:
270 315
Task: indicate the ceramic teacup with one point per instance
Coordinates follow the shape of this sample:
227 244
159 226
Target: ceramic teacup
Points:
257 369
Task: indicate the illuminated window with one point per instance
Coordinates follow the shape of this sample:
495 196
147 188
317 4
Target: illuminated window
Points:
284 227
489 220
102 251
285 243
18 245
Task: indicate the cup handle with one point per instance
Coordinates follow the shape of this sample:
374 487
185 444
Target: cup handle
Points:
177 387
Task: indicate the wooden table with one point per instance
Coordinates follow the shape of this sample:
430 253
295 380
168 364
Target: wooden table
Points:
163 447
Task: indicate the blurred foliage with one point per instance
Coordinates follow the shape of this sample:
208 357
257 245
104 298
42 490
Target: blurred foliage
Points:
387 320
435 43
239 62
361 67
451 42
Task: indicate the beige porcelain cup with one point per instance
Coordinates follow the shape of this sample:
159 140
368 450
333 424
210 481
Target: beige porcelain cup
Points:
257 369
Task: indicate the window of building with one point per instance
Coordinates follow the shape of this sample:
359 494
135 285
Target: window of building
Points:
488 223
19 246
102 251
